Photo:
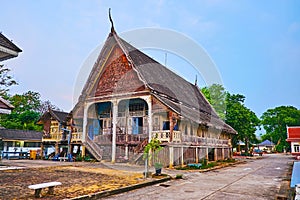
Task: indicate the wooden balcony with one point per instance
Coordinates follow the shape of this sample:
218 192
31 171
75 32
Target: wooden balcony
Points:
165 135
195 140
77 136
178 137
120 139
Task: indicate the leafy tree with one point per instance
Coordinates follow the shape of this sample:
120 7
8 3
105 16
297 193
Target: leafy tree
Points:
242 119
231 108
275 121
216 96
45 105
26 112
29 101
6 80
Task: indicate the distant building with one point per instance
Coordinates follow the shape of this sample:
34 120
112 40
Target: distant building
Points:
266 146
19 140
293 137
7 48
55 134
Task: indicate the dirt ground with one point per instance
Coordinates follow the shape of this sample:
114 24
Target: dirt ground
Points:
76 181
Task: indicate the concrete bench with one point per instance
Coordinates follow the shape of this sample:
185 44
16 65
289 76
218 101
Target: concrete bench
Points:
38 187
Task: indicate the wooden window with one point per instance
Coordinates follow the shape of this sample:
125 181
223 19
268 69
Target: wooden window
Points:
296 148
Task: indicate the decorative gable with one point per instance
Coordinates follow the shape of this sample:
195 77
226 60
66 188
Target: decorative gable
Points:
118 76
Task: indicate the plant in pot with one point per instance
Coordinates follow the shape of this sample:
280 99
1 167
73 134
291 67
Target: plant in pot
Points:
151 153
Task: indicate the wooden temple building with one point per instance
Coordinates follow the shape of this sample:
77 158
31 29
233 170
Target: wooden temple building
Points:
56 137
130 98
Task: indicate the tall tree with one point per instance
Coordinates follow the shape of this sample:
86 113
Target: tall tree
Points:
216 96
45 105
231 108
275 121
6 80
242 119
28 109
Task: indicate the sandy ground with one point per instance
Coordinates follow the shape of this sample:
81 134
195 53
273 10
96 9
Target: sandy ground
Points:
76 181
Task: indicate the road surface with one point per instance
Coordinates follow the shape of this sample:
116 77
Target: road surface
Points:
256 179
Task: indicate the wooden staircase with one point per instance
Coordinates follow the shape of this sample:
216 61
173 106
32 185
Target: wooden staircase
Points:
93 148
139 152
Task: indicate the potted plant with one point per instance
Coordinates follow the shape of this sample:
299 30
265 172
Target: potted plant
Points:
151 153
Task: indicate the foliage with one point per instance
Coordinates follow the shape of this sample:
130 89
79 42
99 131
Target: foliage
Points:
45 105
231 108
6 80
28 108
275 121
28 101
216 96
242 119
25 114
151 151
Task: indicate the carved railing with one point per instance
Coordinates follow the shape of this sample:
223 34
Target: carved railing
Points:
165 136
178 137
76 136
53 136
120 138
205 141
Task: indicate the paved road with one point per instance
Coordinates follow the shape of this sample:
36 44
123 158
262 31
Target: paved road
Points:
256 179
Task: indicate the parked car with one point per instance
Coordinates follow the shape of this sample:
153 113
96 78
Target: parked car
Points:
257 152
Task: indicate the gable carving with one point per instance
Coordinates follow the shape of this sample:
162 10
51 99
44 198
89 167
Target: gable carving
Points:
118 76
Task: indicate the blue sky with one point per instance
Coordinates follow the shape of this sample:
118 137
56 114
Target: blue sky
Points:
254 44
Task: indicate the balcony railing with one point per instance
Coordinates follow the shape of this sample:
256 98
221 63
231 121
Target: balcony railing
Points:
165 136
178 137
59 136
121 138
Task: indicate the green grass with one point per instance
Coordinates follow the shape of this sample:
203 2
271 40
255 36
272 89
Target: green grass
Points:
206 165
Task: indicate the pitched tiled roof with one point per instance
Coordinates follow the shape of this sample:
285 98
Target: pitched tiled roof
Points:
266 143
10 134
171 89
177 93
60 116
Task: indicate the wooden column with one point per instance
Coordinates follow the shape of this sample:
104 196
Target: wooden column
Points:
171 125
126 152
171 156
181 156
197 157
85 119
149 102
42 151
114 133
216 154
223 154
82 151
206 153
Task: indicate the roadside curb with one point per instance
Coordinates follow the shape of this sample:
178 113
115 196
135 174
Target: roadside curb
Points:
222 166
120 190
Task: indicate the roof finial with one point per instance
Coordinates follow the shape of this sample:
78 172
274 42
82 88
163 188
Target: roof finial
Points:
196 80
112 30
